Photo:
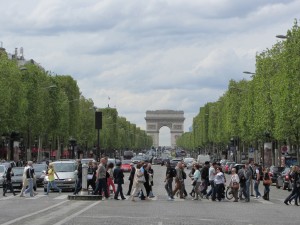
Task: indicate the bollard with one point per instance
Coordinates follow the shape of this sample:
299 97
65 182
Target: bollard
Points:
84 190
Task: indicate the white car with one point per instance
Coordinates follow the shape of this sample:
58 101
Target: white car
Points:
66 171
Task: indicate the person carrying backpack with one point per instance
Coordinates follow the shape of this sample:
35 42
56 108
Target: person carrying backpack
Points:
170 174
241 174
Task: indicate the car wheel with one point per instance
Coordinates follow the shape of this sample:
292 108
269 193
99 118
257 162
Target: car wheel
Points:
45 189
283 187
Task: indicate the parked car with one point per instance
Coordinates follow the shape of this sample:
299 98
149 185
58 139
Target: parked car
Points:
275 171
125 166
284 180
111 160
66 171
40 173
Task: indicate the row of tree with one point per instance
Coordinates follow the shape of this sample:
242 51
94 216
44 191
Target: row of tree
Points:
38 105
265 108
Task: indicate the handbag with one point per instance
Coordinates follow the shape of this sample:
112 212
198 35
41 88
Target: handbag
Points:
194 182
141 179
267 182
235 185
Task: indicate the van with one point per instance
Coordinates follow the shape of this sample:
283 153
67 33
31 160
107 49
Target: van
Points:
201 159
67 176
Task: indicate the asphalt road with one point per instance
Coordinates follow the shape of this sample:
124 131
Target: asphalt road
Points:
57 209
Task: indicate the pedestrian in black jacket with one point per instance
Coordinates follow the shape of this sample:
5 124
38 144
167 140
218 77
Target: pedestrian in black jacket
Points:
119 180
131 178
8 182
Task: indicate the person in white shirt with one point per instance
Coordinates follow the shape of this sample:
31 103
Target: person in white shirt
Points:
211 177
219 184
25 183
234 184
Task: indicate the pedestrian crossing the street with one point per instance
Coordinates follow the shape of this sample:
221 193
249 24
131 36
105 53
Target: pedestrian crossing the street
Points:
155 198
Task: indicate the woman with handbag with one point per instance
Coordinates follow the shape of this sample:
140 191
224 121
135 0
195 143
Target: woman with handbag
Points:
197 182
139 180
234 184
266 182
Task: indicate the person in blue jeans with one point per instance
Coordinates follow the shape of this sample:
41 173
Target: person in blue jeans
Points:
29 176
248 176
51 179
256 179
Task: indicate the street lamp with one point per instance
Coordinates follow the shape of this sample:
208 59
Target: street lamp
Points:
281 36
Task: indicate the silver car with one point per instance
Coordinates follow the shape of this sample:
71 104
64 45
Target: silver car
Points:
2 174
66 171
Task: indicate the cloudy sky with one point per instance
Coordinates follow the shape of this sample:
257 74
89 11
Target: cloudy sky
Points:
147 54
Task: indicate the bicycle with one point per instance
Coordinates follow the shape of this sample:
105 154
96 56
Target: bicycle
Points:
228 193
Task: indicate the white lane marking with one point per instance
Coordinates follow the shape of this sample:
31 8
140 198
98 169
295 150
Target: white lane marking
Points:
62 197
32 214
77 213
8 197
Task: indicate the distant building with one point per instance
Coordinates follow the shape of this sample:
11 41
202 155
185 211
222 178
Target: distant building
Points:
19 57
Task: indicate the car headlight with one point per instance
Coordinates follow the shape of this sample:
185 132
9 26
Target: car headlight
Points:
46 178
70 179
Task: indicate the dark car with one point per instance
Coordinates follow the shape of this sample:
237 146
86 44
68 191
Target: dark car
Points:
284 180
157 161
238 166
40 172
174 162
275 171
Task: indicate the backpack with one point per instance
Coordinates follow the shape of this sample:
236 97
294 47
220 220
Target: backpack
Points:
242 177
173 172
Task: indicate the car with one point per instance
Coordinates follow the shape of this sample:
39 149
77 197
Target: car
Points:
40 173
3 169
238 166
201 159
284 180
66 171
226 167
165 159
157 161
274 172
188 162
17 177
128 155
175 161
111 160
87 160
137 159
125 166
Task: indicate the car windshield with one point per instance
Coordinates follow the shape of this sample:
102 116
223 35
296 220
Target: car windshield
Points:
126 161
64 167
39 167
18 171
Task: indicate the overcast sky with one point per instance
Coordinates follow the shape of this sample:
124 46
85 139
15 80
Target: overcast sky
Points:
147 54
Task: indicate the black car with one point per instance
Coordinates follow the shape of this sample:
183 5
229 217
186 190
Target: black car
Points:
275 171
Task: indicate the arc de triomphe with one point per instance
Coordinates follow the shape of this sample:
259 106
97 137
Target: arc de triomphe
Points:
160 118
